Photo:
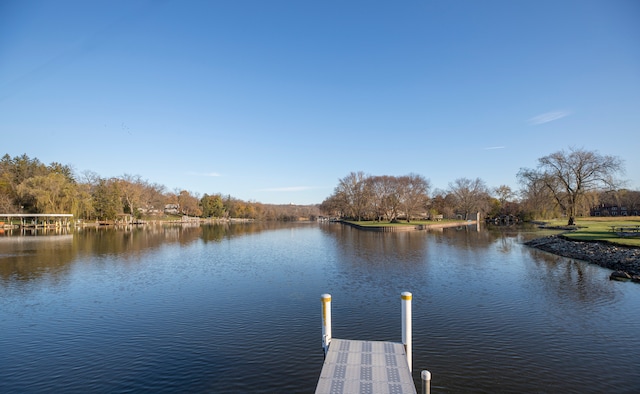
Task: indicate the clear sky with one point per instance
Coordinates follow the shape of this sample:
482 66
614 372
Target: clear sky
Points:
275 101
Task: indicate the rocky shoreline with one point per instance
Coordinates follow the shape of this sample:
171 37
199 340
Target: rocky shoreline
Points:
625 261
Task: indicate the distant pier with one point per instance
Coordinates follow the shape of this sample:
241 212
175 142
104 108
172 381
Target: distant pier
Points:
37 220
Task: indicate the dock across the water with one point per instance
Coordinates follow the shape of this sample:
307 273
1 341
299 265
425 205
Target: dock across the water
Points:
38 220
354 366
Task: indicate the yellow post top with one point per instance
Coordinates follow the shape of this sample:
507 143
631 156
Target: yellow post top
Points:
326 299
406 296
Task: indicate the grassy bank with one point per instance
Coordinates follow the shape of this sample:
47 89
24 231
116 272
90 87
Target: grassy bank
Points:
600 229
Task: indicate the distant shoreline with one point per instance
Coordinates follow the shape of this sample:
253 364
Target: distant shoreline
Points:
401 227
141 222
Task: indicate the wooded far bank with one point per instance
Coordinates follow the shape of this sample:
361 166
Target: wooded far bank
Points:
567 184
29 186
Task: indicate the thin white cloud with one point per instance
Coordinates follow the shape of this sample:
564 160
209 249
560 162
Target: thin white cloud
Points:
494 147
286 189
206 174
548 117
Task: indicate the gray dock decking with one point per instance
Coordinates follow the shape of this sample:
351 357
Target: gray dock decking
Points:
353 366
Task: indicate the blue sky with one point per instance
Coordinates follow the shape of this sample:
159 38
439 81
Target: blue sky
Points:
275 101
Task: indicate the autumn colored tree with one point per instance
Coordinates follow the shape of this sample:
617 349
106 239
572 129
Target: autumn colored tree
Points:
189 204
13 172
83 202
62 169
153 196
27 185
131 189
51 193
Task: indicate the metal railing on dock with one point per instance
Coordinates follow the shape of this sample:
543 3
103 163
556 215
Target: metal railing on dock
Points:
353 366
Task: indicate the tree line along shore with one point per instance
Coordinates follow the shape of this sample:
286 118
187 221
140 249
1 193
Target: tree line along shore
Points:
29 186
564 184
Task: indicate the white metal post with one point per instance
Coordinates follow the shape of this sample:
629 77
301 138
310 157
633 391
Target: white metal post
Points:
425 377
406 325
326 322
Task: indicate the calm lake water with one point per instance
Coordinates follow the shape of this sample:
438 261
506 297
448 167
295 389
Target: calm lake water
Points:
237 309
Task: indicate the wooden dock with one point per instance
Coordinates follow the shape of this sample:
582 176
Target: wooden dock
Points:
353 366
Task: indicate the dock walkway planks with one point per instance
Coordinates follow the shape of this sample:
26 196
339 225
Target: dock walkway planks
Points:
352 366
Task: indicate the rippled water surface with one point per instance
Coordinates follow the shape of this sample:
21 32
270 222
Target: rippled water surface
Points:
237 309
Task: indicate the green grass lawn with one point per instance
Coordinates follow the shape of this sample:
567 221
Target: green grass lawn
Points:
599 229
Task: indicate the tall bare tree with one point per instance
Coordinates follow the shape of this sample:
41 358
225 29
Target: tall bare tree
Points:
504 197
569 175
471 195
504 194
384 197
335 205
537 200
414 193
354 189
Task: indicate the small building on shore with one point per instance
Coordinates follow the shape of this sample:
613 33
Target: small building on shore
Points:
613 210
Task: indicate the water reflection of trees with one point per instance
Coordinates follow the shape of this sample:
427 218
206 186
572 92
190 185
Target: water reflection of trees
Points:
131 242
407 246
384 257
566 278
374 262
49 254
466 237
25 258
503 238
375 247
219 231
